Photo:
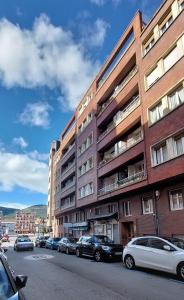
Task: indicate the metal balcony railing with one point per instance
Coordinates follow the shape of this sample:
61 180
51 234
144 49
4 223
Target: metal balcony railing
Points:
68 186
67 205
115 185
122 115
69 149
133 141
118 88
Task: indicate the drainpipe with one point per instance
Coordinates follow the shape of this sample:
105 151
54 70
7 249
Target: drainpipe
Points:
157 223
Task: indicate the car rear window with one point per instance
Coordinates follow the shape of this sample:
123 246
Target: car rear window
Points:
21 240
56 239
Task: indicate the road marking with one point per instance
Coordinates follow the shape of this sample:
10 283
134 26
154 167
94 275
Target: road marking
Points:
37 257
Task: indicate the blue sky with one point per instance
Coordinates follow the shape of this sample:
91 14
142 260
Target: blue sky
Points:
50 51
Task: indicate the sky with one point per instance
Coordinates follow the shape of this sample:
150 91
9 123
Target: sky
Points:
50 51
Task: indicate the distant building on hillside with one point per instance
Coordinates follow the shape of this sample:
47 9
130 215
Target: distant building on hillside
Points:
25 222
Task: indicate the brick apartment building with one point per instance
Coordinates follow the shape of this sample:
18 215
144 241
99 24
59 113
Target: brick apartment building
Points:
119 166
25 222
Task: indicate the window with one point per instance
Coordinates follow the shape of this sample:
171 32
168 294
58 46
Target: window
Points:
86 166
149 45
160 154
157 244
87 143
153 76
171 59
176 98
126 208
177 199
141 242
156 113
85 103
112 208
86 190
166 24
181 5
147 206
97 211
178 144
85 122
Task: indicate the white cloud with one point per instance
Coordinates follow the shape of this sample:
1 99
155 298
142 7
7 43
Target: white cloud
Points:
38 156
36 114
46 55
94 36
98 2
22 171
20 141
13 205
102 2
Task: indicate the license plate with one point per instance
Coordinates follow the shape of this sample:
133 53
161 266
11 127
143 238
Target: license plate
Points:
118 253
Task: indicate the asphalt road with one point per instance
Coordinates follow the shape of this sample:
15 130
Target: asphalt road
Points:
66 277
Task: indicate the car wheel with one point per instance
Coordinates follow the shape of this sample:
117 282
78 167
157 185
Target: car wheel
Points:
180 271
78 253
58 249
129 262
98 256
67 251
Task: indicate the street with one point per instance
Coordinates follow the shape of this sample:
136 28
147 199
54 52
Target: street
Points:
53 275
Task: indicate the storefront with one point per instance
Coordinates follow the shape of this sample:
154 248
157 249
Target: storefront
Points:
76 229
106 225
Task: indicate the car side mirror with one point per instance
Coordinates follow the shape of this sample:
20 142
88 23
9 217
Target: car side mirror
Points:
5 250
167 248
20 281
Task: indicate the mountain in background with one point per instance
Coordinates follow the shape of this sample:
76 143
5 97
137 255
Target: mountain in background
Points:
40 211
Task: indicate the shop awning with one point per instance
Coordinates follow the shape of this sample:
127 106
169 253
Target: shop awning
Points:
104 217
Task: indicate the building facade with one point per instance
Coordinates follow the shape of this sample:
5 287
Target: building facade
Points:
25 223
119 168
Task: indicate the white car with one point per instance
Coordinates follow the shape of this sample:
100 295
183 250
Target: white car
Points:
164 254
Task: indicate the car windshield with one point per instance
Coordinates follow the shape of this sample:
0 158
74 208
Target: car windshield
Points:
56 239
177 242
22 240
102 239
72 240
6 290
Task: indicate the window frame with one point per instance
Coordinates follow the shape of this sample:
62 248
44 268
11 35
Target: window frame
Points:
151 211
178 204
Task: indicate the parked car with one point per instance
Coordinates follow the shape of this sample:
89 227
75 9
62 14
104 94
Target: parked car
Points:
3 251
5 238
52 243
164 254
67 245
41 241
23 243
100 247
10 286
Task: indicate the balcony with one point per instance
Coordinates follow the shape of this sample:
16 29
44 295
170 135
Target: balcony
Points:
120 116
118 89
68 171
67 205
129 144
68 186
121 183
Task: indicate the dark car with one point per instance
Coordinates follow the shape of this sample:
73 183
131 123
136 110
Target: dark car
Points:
52 243
67 245
100 247
23 243
41 241
10 287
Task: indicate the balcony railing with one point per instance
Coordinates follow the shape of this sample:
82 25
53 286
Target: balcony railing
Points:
122 115
69 149
119 184
133 141
118 89
67 205
67 169
68 186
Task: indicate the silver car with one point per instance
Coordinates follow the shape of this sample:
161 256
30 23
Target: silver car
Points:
23 243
